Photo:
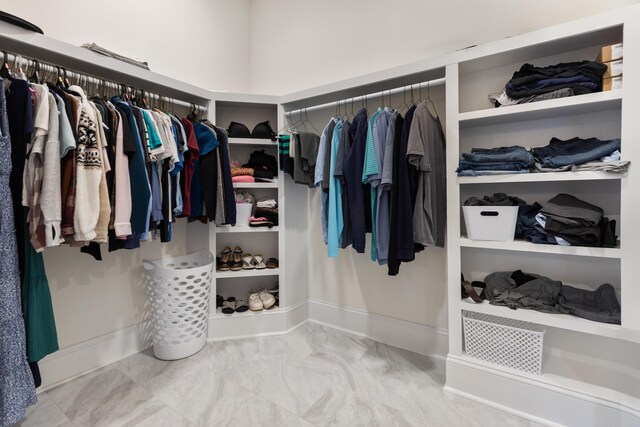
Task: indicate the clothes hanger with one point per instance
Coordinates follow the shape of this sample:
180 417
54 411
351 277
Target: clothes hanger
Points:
5 72
35 77
306 113
404 106
353 112
430 100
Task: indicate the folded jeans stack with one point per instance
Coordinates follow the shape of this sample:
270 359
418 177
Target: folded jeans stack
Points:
520 289
569 221
494 161
577 154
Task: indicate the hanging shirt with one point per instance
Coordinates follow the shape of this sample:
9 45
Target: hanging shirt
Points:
426 152
155 147
353 167
67 140
229 194
336 223
138 177
343 148
322 167
383 222
370 175
122 218
190 158
401 248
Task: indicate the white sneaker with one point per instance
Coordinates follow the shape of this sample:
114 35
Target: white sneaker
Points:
255 303
267 299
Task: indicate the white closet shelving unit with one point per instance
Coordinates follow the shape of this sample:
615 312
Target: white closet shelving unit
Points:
269 242
473 122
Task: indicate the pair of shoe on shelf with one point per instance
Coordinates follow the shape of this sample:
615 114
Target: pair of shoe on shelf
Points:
230 260
237 260
232 305
262 300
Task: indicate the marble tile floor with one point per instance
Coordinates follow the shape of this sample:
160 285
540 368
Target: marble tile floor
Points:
313 376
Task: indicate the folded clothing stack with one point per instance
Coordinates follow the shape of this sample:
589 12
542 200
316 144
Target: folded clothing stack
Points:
265 214
573 222
495 161
265 166
581 77
577 154
239 173
518 289
564 220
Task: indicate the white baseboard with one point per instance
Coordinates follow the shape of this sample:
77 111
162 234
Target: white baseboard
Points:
411 336
253 325
552 405
80 359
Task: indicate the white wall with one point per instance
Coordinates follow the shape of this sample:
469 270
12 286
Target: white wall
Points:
202 42
297 44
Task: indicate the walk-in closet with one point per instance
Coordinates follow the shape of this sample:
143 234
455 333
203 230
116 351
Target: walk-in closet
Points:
289 213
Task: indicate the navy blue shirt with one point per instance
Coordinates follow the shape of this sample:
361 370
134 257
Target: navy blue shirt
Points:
401 246
352 169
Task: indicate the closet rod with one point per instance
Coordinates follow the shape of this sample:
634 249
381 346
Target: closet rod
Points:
408 88
84 79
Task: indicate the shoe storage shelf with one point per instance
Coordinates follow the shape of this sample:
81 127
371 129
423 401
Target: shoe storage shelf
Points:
268 242
473 122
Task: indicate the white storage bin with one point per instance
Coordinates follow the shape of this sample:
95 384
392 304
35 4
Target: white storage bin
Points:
178 291
491 222
243 213
503 341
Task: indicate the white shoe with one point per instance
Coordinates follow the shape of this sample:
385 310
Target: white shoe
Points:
267 299
255 303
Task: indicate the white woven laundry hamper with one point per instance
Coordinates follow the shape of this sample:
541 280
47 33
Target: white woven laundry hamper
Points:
178 291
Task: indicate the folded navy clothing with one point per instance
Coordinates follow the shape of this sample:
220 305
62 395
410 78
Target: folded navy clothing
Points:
574 151
497 199
526 225
582 77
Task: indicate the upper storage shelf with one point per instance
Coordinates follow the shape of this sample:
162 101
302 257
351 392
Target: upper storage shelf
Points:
17 40
594 102
488 74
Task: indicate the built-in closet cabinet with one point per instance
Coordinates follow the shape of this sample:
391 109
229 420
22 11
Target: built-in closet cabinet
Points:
583 356
268 242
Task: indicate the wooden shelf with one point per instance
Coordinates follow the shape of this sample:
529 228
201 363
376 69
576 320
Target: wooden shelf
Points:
255 184
253 142
593 102
541 177
561 321
247 273
524 246
246 229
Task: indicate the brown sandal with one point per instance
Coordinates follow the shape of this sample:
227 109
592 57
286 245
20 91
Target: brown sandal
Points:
272 263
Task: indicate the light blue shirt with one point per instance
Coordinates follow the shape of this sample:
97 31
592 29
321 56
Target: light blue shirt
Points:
336 221
319 176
